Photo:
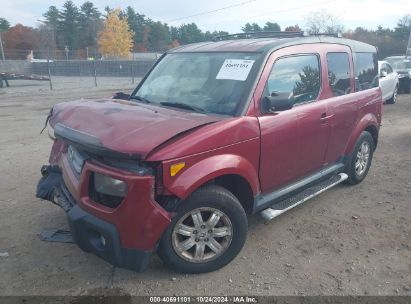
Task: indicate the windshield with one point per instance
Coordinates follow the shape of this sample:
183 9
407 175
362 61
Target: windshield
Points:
203 82
399 63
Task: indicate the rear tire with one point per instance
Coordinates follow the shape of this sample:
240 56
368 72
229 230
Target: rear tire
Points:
360 160
207 233
393 99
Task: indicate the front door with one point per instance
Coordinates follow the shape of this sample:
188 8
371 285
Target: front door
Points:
294 141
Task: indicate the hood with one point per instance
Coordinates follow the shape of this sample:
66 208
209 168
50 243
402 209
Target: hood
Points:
119 127
212 137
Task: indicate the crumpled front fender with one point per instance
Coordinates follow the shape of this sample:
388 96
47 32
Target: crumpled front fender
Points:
198 173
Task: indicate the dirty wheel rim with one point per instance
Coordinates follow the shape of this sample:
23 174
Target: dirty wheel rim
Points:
202 235
362 158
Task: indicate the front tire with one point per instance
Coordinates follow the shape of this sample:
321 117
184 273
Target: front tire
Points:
360 160
207 233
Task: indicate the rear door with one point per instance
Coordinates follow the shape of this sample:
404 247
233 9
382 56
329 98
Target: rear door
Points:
348 94
294 141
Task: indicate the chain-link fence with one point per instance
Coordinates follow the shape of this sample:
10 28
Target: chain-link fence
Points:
75 73
88 53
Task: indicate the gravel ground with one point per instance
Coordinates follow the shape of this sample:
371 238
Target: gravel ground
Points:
348 241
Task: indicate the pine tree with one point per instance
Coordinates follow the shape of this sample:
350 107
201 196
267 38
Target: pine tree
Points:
69 25
52 17
90 24
137 22
190 33
159 36
248 28
271 27
49 31
116 38
4 25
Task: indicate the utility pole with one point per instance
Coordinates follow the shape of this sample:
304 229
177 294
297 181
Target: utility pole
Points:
1 48
408 50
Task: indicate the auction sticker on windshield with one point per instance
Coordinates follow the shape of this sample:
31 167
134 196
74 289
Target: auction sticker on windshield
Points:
235 69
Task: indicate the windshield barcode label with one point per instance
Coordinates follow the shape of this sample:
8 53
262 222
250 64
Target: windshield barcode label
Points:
235 69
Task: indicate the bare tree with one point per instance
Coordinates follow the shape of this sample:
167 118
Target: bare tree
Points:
405 21
323 22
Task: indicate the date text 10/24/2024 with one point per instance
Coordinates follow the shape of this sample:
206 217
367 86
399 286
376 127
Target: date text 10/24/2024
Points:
203 299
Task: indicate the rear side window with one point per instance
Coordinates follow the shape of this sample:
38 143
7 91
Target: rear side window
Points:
297 75
366 71
339 75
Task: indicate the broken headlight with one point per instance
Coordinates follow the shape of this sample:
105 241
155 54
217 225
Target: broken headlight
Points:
109 186
106 190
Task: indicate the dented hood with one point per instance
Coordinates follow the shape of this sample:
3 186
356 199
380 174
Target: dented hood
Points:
118 127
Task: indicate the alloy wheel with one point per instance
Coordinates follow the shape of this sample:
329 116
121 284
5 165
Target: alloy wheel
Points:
202 235
362 158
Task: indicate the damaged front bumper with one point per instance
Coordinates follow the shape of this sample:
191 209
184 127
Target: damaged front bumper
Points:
124 236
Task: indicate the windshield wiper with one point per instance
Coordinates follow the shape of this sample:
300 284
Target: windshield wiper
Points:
136 97
183 106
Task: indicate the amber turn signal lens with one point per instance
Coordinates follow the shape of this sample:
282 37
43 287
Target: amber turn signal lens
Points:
174 169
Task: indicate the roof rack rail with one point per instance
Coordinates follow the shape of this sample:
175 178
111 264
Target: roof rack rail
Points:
271 34
268 34
337 35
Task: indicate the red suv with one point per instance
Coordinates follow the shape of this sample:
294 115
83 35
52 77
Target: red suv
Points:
214 132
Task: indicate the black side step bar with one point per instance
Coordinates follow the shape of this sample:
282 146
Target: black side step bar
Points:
285 205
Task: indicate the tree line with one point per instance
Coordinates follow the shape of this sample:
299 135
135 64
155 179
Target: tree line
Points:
78 32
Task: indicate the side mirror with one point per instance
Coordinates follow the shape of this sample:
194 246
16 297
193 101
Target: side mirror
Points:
278 101
383 74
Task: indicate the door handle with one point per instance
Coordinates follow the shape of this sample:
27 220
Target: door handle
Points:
324 117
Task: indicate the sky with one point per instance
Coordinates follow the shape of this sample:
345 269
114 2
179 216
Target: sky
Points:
230 15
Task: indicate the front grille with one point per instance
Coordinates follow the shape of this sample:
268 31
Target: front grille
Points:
76 159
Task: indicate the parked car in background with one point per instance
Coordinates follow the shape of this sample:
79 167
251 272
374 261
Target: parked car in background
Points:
214 132
402 65
389 82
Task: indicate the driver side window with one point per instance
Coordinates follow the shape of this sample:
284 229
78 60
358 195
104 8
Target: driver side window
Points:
297 75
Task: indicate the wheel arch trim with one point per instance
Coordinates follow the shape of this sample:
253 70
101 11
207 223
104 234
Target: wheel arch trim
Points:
368 123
